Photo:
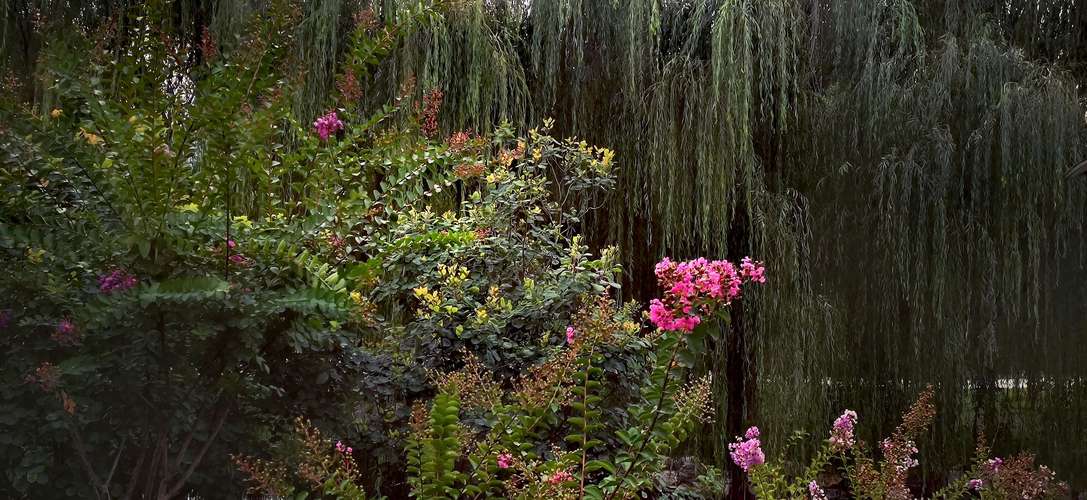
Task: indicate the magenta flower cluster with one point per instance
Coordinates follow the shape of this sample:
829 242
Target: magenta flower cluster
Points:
342 448
695 288
747 452
841 435
816 492
116 281
974 484
504 460
327 125
571 334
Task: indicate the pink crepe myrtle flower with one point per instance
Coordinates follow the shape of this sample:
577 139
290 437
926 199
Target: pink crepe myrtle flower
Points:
816 492
753 270
841 435
504 460
66 327
995 463
342 448
560 477
570 334
327 125
696 288
66 333
974 484
116 281
747 453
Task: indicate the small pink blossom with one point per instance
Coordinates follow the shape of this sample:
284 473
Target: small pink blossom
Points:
116 281
504 461
974 484
327 125
570 334
65 327
560 477
816 492
65 333
995 463
747 453
841 435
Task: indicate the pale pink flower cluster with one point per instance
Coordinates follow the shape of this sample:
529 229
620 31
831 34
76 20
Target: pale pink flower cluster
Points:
116 281
841 435
907 460
560 477
816 492
346 450
747 453
327 125
571 334
995 463
504 460
974 484
695 288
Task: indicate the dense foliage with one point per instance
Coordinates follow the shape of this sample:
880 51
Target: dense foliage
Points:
235 233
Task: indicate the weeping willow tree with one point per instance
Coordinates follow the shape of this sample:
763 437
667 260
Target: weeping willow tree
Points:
898 164
950 240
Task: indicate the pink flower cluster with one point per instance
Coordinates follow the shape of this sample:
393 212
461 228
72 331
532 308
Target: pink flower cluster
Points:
116 281
346 450
974 484
571 334
696 288
816 492
66 333
995 463
327 125
560 477
841 435
747 453
504 460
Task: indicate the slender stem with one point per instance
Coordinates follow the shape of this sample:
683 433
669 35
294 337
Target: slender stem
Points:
652 424
585 419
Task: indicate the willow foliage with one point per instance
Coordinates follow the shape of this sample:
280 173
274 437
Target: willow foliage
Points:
899 163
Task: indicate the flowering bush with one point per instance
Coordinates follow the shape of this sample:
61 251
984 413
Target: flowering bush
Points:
477 438
173 290
886 477
330 470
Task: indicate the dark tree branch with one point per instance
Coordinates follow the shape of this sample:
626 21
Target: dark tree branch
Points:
1080 169
199 456
81 451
